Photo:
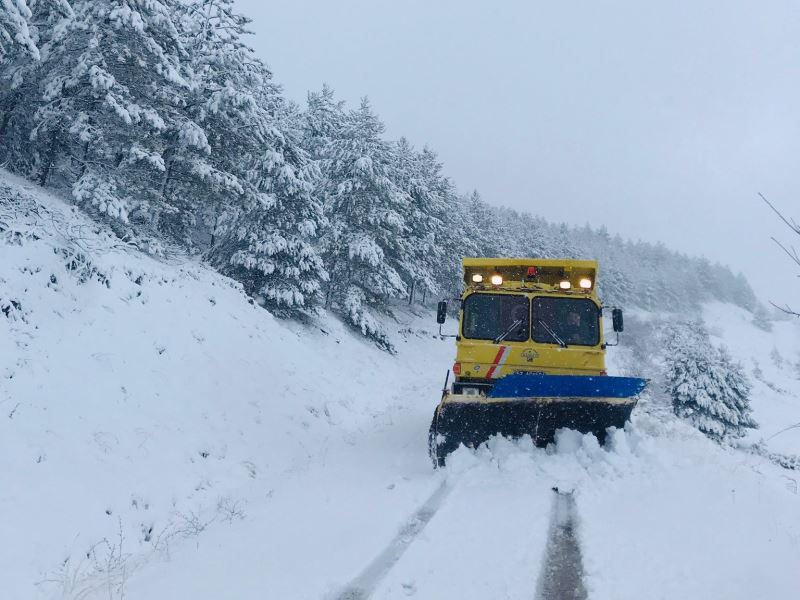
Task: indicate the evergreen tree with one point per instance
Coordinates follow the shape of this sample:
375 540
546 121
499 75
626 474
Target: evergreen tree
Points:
270 245
20 79
418 175
323 122
14 31
456 239
362 249
110 90
707 387
212 144
264 213
485 226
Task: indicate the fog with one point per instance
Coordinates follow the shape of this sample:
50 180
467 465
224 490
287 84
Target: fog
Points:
661 122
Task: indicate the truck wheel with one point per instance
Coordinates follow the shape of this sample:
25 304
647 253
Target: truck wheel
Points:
434 449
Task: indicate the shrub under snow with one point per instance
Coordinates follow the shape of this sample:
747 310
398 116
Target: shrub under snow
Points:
707 387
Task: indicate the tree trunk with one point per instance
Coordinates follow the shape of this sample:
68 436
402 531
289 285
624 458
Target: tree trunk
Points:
167 179
85 158
332 273
329 288
4 122
7 112
411 294
51 155
214 228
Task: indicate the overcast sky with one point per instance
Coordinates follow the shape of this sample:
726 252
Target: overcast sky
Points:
660 122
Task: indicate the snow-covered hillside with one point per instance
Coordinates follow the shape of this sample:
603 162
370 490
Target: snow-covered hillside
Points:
144 401
161 436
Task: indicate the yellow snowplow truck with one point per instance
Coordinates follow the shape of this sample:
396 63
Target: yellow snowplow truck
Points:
530 356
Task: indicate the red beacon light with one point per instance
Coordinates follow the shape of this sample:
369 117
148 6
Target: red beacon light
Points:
532 272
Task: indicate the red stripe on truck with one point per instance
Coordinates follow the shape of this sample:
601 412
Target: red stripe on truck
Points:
499 359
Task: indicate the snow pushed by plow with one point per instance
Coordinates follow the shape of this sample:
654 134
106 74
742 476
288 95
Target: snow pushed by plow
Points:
658 511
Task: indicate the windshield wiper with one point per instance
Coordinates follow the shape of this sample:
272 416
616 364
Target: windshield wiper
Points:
508 331
549 330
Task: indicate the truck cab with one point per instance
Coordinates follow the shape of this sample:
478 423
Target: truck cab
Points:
527 316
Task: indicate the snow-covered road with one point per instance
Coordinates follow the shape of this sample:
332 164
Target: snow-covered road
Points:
561 574
667 516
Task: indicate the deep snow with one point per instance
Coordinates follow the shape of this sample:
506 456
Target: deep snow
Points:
163 437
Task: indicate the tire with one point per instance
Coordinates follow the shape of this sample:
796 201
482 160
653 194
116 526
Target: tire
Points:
434 449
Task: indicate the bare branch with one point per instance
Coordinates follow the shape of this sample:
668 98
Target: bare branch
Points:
790 224
785 309
795 426
790 252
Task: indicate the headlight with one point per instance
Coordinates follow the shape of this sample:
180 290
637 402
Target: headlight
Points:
497 280
477 278
565 285
586 283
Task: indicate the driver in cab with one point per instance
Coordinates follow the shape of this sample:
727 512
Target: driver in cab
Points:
572 330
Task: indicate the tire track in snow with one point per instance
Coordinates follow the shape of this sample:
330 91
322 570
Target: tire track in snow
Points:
365 583
561 577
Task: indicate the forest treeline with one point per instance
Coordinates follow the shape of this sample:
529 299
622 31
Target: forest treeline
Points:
157 118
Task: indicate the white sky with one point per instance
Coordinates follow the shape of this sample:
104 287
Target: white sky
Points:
661 122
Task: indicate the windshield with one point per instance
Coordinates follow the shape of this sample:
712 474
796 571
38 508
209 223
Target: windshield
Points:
573 321
490 316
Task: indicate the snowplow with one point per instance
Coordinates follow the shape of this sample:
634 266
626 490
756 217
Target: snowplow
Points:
530 356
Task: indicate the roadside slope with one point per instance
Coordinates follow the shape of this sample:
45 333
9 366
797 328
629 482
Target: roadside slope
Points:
146 403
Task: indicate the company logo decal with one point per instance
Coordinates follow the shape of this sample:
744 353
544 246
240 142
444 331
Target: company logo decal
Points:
530 354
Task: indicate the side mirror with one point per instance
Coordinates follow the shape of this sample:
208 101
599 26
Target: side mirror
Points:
441 312
616 319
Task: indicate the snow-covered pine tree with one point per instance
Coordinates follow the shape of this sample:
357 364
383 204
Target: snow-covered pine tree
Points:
614 287
20 74
362 251
707 387
418 175
485 226
519 239
455 235
111 85
270 245
265 214
323 121
14 30
459 238
211 146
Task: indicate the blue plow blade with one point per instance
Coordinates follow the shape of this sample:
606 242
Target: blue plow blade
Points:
528 385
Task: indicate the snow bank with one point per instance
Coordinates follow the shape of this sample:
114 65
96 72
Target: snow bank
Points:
772 360
662 513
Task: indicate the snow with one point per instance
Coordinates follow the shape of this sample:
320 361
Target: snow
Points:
776 385
157 400
162 436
